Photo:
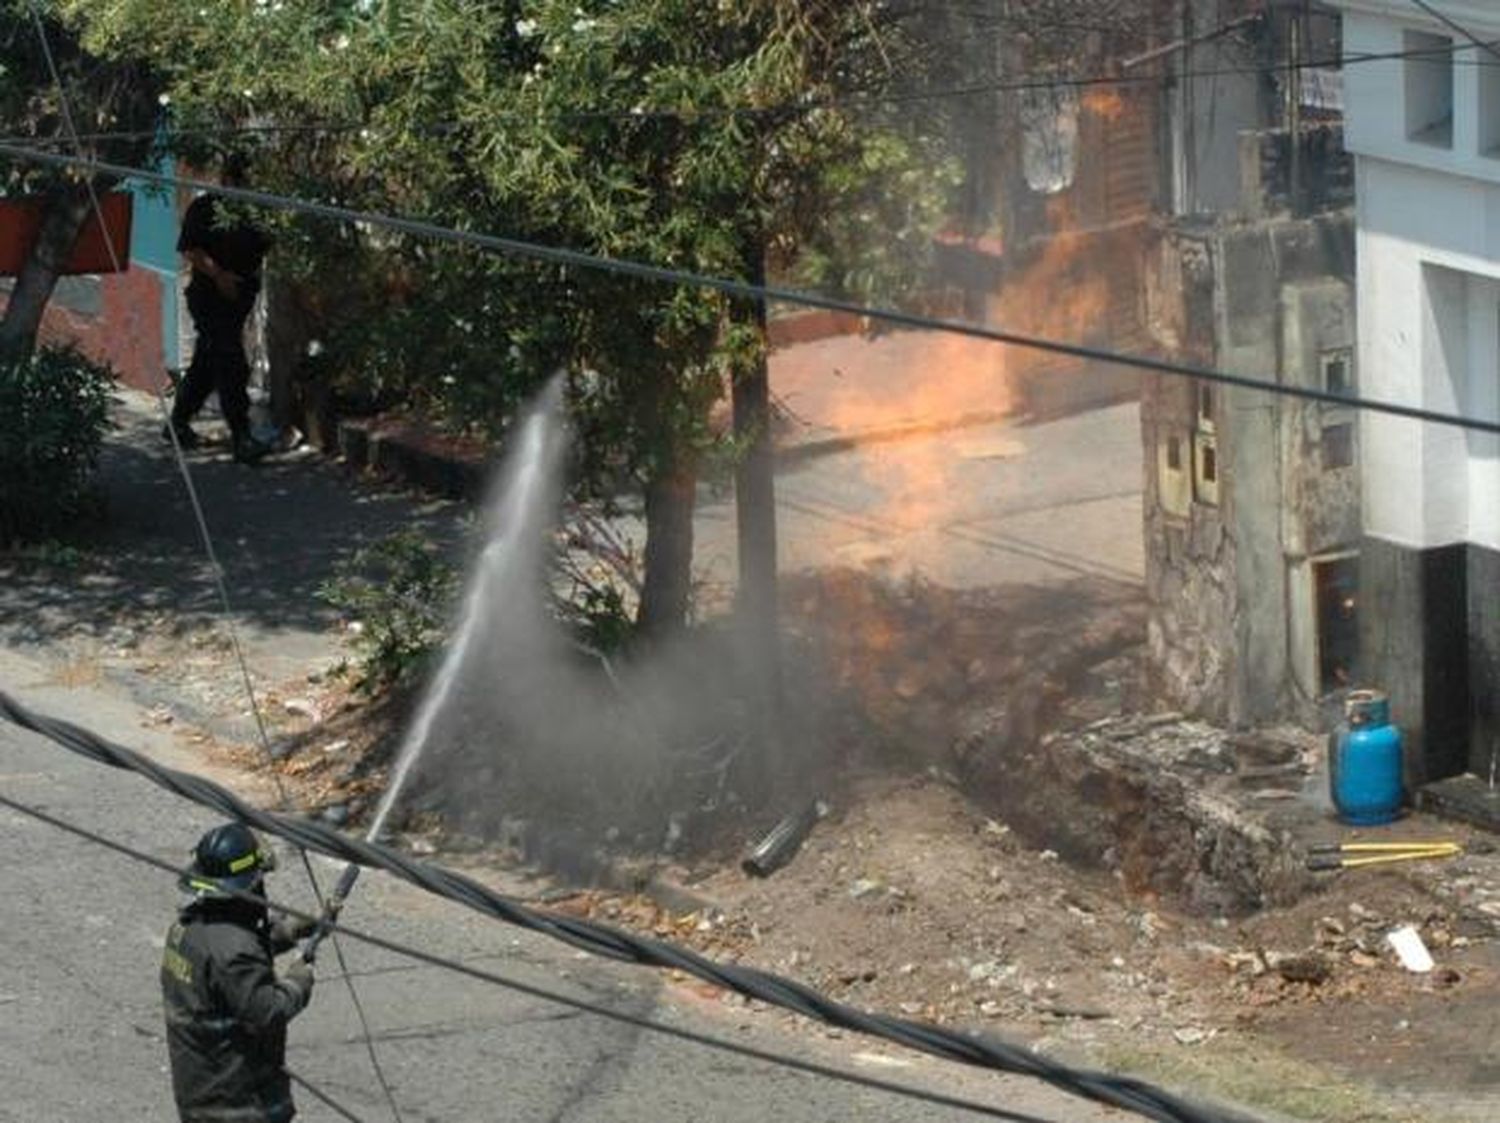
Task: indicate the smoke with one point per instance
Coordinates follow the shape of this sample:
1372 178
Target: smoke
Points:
521 721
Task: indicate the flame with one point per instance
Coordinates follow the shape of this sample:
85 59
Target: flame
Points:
1105 103
896 392
916 385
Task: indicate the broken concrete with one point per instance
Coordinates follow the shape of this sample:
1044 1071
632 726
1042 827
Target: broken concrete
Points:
1177 808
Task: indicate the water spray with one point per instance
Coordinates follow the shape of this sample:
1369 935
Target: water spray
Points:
524 502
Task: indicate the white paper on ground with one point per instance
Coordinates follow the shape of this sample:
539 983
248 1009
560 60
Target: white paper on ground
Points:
1409 946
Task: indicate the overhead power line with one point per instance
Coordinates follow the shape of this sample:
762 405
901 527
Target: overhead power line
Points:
1453 25
982 1051
556 255
296 1078
637 1021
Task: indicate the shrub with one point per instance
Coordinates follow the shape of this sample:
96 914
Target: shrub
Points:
397 595
54 412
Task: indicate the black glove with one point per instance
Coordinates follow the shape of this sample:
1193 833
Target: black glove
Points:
289 931
299 976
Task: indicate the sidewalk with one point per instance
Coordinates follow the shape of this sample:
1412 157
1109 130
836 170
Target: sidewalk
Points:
139 603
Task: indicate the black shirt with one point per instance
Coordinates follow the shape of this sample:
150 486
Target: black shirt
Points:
233 242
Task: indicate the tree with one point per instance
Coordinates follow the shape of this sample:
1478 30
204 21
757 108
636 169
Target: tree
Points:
115 95
707 136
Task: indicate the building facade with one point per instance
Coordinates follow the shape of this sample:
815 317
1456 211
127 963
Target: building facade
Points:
1252 499
1424 127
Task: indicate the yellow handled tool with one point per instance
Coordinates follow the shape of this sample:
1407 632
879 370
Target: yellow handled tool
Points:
1336 855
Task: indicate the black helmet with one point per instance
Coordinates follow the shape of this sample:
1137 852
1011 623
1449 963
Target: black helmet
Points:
228 859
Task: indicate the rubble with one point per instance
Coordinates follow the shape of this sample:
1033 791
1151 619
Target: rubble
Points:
1166 802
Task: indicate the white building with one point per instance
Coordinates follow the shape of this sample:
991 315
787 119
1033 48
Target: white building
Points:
1425 131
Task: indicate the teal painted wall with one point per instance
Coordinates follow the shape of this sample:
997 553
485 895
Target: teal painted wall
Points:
153 245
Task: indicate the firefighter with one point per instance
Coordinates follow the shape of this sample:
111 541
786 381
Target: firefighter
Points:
226 1007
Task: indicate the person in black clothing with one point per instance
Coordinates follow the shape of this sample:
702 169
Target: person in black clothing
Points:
226 1008
225 251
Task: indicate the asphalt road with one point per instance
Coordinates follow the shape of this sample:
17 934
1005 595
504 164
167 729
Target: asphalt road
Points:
80 1019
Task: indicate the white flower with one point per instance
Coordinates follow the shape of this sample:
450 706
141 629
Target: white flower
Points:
314 348
584 24
341 43
163 99
525 28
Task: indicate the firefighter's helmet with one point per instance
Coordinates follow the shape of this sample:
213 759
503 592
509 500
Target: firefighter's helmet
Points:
227 860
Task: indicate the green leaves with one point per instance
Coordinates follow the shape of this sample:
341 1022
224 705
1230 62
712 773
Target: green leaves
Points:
54 412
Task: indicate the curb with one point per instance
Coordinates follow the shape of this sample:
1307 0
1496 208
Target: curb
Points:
397 450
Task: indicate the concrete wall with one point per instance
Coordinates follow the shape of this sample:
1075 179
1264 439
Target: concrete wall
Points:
1376 92
1483 589
1208 108
1429 309
1413 645
115 319
1232 626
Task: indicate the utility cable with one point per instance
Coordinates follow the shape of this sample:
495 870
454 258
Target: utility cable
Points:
583 1006
982 1051
215 568
1030 83
557 255
302 1082
1453 25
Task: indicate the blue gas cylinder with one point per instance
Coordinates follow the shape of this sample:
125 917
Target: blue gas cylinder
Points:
1364 761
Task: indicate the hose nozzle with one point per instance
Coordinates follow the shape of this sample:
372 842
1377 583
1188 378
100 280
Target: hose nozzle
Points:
331 908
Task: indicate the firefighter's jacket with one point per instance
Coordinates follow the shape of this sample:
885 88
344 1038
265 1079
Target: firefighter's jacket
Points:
227 1015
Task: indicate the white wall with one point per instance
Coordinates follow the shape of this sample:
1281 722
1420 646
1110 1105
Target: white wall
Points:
1429 336
1375 110
1428 247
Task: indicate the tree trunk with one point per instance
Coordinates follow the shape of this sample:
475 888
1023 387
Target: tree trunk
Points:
667 585
287 333
755 520
67 208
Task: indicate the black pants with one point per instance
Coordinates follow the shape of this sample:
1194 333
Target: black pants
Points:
219 361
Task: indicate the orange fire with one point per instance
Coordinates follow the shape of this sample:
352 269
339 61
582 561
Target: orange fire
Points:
1104 102
895 393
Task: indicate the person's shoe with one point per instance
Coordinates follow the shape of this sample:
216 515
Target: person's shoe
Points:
186 438
248 450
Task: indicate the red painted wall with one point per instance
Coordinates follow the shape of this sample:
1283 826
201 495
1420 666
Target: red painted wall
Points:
126 333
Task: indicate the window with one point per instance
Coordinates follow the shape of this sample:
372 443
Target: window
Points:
1338 370
1174 453
1206 406
1338 446
1429 88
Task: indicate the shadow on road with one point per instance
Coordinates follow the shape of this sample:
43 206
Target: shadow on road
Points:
280 529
